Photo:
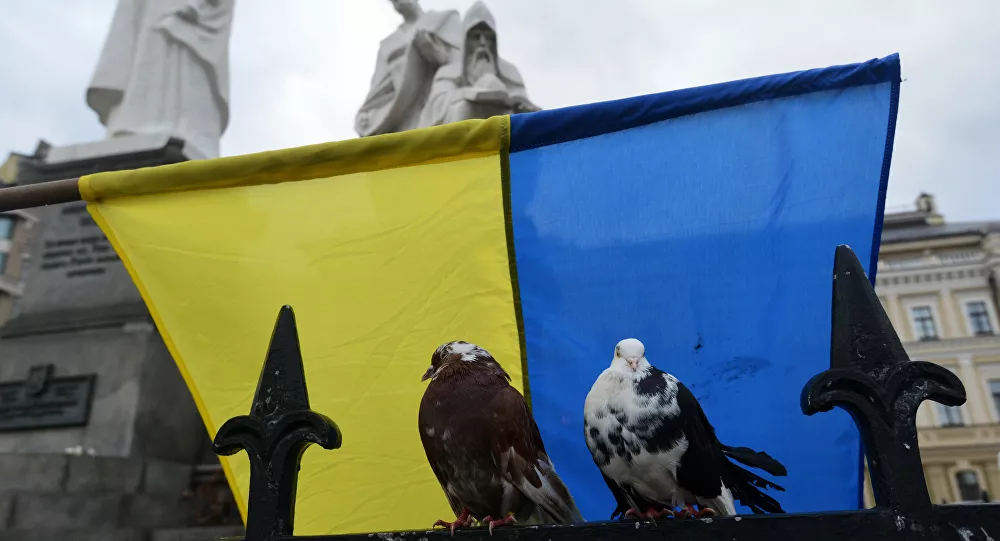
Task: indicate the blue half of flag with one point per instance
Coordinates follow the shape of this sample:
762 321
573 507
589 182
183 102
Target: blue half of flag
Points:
703 222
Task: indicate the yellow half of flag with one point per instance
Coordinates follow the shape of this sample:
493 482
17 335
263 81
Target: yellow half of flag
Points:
385 247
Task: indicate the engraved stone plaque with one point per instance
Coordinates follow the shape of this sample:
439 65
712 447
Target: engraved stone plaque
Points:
42 401
85 252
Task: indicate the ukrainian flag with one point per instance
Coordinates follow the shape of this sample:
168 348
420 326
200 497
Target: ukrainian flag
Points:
701 221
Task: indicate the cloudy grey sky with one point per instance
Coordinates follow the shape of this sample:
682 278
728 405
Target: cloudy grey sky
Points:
300 68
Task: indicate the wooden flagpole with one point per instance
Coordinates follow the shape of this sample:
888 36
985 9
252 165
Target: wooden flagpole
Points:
40 195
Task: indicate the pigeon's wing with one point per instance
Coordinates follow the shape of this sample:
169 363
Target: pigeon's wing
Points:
517 448
432 451
701 466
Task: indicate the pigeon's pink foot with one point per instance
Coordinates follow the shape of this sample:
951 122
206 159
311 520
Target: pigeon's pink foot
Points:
509 519
690 512
650 513
463 521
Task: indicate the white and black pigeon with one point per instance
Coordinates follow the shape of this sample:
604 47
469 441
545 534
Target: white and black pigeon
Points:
484 446
658 452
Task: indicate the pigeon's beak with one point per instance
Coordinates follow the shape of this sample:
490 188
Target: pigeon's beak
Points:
633 363
428 373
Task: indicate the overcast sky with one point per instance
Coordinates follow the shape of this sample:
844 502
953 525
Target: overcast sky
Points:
300 68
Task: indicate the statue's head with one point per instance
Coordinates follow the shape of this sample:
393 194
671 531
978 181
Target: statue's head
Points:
409 9
480 43
480 52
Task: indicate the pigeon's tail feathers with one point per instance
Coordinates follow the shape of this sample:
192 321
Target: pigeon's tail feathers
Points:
557 492
755 459
519 453
748 487
723 505
553 502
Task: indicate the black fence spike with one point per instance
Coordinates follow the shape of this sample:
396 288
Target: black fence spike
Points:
861 334
276 433
282 384
872 378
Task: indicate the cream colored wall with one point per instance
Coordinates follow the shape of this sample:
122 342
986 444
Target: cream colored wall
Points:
942 484
894 309
992 478
937 483
869 495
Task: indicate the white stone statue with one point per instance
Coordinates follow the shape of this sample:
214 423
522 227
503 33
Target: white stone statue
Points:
164 69
478 83
407 61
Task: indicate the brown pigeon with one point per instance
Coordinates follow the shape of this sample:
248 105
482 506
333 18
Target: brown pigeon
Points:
484 446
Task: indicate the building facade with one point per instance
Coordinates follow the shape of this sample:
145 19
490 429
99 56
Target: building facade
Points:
938 282
15 232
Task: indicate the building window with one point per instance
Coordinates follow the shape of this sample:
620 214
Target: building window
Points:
995 391
6 227
968 486
924 320
948 415
3 262
979 318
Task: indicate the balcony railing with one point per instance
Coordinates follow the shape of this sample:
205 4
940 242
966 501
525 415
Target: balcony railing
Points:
959 436
943 259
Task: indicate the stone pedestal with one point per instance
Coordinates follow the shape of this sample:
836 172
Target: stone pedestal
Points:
50 497
82 315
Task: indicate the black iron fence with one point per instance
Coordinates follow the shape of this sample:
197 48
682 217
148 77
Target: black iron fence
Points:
870 376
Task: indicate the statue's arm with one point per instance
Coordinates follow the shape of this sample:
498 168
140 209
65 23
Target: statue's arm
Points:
494 96
432 48
520 102
189 13
518 94
443 93
196 10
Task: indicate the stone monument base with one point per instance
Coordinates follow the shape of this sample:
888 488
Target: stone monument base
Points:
98 431
54 497
82 316
138 403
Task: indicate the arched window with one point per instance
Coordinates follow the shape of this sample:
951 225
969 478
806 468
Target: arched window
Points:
968 486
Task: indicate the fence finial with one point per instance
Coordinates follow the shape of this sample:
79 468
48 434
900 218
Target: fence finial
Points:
872 378
276 433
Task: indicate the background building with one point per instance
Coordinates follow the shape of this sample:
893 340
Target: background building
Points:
15 231
938 282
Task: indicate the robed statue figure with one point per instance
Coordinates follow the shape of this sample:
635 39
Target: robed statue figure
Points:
164 69
407 61
478 83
